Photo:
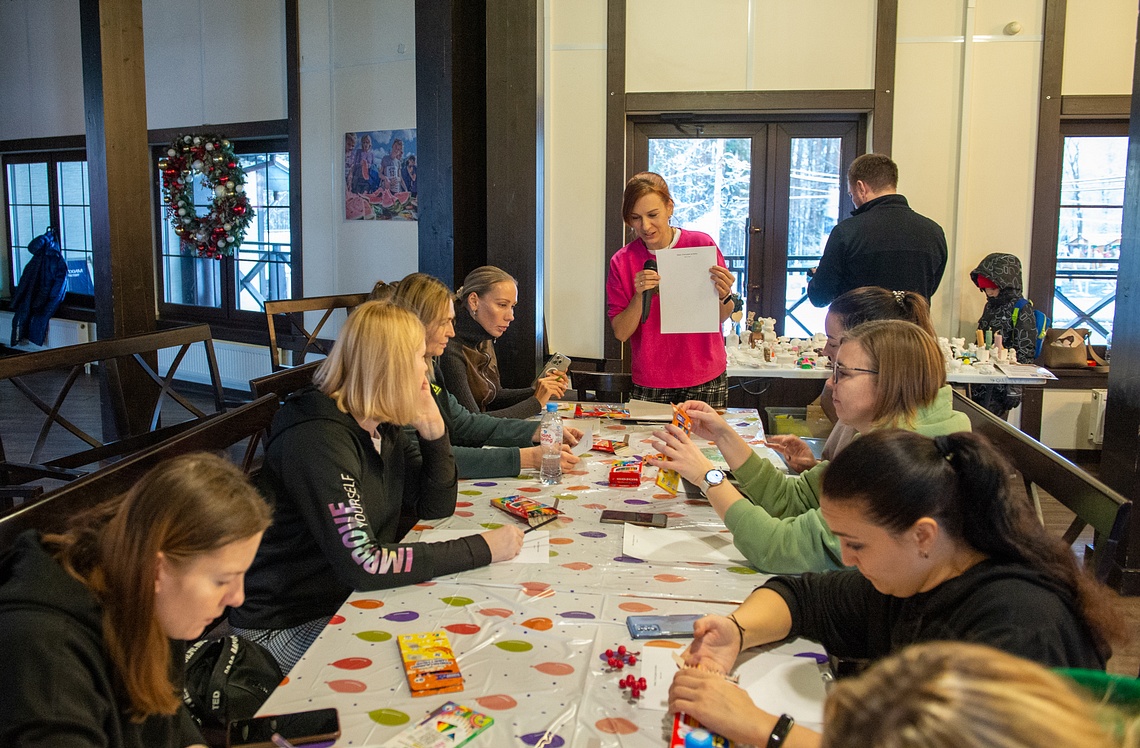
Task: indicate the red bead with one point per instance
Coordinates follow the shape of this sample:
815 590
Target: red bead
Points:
641 683
621 649
609 653
612 662
632 660
635 692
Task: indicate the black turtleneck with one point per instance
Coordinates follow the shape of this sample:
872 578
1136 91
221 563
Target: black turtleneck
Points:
471 373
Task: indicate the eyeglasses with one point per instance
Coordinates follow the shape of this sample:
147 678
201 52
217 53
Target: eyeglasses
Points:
839 372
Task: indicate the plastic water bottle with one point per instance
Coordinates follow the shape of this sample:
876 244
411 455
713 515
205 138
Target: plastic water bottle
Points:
550 438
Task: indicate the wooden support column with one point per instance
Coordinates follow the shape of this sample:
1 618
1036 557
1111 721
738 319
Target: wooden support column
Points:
515 173
1120 458
120 176
451 135
886 33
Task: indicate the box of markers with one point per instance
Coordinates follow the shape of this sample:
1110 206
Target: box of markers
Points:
449 726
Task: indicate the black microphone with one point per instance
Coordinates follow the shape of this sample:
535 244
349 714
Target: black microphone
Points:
650 264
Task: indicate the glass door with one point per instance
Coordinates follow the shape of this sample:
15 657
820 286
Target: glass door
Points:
768 192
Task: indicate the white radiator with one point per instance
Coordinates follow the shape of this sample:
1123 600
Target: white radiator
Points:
61 332
237 363
1096 422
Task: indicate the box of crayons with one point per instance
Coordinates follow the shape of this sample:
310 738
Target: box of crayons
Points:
600 410
429 663
683 724
626 473
528 510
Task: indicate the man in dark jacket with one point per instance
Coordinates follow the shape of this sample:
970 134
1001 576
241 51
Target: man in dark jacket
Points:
883 243
42 287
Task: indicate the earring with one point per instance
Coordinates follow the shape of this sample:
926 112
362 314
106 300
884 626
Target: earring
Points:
924 554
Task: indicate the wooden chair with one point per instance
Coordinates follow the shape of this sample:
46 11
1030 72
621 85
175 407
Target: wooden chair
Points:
50 514
289 315
602 386
1092 501
280 385
110 354
285 382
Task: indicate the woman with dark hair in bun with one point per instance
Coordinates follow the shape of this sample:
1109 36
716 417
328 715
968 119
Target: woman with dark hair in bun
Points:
943 551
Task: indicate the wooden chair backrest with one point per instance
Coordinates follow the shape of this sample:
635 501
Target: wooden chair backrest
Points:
605 386
76 359
1092 501
289 316
51 512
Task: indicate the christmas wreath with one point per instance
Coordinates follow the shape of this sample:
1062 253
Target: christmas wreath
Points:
218 233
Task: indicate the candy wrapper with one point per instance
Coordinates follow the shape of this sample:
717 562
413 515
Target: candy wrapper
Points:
529 510
612 446
670 480
600 410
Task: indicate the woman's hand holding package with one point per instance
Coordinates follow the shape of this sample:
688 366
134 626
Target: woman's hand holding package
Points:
683 456
718 704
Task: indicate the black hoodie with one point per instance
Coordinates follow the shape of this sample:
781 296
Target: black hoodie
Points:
1004 270
340 509
1009 606
58 688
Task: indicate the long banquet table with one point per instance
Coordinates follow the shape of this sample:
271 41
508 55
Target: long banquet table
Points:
530 638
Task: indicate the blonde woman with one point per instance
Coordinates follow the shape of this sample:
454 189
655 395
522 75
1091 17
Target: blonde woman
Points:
86 617
960 696
469 366
347 482
886 374
512 441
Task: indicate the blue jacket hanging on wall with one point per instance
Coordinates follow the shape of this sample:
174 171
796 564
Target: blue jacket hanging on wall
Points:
42 287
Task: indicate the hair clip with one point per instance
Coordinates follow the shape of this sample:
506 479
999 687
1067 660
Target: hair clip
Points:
899 296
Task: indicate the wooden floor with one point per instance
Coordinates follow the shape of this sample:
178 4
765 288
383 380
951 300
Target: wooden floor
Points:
20 424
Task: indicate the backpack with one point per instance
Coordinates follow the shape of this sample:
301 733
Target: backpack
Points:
227 679
1040 321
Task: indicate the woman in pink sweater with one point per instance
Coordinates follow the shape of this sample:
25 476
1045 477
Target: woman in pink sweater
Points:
667 368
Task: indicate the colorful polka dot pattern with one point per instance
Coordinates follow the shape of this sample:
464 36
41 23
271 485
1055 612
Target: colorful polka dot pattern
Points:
530 639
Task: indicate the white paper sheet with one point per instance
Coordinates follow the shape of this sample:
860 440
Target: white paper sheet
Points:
680 546
535 547
1025 370
645 410
778 683
688 296
586 441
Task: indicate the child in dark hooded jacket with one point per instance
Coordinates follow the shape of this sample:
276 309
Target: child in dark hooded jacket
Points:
998 275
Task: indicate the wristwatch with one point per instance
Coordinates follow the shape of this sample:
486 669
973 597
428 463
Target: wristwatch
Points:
713 477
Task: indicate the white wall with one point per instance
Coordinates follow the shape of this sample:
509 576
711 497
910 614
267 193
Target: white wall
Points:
212 62
965 115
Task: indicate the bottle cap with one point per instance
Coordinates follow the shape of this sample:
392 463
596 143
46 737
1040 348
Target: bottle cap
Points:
552 407
698 738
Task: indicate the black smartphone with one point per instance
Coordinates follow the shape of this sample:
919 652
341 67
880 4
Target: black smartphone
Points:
318 725
645 519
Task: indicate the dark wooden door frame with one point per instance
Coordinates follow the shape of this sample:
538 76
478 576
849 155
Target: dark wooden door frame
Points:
878 103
